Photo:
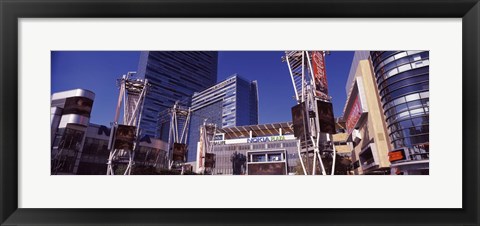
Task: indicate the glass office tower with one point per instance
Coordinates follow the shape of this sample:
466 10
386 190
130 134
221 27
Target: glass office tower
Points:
233 102
174 76
403 83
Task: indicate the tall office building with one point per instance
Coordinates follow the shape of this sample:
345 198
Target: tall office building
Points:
402 79
233 102
173 75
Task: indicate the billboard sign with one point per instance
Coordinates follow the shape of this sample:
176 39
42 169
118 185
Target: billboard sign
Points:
319 73
354 115
78 105
200 149
396 155
124 137
299 119
268 168
179 152
326 118
209 160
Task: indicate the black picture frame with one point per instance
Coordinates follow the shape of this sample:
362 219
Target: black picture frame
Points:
12 10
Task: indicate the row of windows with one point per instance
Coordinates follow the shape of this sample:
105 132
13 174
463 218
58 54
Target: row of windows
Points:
409 122
415 88
403 68
193 64
380 58
407 98
410 141
406 106
388 87
411 88
412 131
399 60
261 146
408 114
381 77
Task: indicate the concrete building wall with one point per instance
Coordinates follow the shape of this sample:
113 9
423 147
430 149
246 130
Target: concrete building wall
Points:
378 128
371 143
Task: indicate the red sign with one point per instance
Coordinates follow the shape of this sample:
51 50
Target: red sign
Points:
319 73
353 115
396 155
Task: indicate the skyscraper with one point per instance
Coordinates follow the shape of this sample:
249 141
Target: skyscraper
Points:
232 102
402 79
174 76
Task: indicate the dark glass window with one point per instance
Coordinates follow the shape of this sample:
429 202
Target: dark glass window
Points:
406 90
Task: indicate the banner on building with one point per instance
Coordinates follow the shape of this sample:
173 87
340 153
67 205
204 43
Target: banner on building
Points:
78 105
200 149
353 115
179 152
325 117
124 137
319 73
299 119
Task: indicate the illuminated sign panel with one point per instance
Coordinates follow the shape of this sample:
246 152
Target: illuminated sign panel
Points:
396 155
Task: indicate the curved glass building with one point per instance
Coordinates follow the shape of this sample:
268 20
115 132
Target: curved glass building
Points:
402 79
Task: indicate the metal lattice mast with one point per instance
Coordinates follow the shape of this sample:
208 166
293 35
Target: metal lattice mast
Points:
207 134
308 90
178 133
132 93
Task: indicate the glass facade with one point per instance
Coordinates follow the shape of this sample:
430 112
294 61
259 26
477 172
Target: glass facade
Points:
174 76
233 102
94 157
95 153
66 153
402 78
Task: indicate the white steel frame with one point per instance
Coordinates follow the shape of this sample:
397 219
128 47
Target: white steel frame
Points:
207 141
132 91
305 92
177 133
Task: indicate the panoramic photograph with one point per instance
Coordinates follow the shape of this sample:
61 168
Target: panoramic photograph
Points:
301 112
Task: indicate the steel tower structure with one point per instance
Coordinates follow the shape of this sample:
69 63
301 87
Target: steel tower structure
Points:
122 144
178 117
205 156
307 71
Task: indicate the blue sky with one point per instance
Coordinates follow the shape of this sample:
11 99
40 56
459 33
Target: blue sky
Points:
98 70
